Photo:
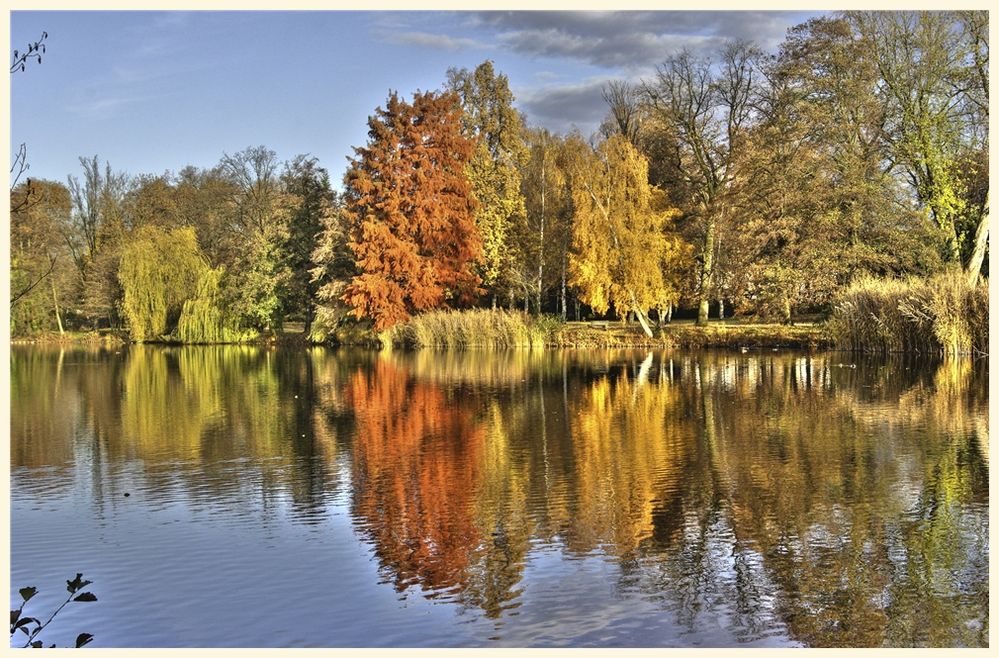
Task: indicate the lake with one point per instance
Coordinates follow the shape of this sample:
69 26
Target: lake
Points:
246 496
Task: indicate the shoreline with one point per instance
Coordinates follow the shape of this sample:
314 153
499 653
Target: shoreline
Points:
572 335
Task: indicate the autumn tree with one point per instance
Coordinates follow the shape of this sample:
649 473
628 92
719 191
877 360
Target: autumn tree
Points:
411 211
494 171
703 110
543 184
620 242
43 279
815 204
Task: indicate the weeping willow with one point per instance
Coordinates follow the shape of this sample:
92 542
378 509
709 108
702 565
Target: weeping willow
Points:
202 320
158 271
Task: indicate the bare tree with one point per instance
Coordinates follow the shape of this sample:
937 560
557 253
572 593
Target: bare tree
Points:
706 110
622 98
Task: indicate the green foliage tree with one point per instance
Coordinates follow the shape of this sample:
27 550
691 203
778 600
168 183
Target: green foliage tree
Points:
159 271
312 202
332 270
256 271
495 175
929 65
814 205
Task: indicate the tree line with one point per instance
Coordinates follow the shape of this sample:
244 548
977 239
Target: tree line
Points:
747 182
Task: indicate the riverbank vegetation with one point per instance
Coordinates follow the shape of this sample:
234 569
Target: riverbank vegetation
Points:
844 173
941 315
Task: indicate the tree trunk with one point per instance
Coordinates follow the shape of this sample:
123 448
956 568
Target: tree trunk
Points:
981 244
55 304
541 237
310 315
564 309
669 314
640 314
706 267
721 308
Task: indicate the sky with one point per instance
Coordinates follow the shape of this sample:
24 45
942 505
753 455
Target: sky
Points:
151 91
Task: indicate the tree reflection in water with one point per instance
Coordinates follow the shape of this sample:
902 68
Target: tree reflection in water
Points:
834 501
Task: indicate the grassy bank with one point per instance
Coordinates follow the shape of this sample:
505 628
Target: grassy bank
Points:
940 315
504 329
106 338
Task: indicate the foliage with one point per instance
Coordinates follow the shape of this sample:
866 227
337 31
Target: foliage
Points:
32 626
488 116
620 241
936 315
311 203
41 271
34 51
333 267
926 67
410 211
159 270
203 318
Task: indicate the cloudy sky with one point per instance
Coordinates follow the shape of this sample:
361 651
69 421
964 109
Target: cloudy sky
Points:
154 91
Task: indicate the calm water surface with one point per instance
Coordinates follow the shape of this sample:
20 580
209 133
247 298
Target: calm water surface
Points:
606 498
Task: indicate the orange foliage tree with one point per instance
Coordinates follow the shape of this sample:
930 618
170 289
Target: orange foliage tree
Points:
410 209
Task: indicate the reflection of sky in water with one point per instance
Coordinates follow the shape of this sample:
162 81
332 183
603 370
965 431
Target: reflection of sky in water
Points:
558 499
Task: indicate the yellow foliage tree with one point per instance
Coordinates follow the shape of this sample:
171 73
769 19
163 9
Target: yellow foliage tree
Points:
621 244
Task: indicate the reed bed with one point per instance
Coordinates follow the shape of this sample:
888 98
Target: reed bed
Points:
940 315
476 328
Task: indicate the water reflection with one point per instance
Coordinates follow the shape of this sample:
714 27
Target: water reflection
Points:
807 499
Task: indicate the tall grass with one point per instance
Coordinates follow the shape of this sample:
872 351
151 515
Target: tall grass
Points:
935 315
476 328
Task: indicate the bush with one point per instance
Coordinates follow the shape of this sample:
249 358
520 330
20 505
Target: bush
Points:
941 315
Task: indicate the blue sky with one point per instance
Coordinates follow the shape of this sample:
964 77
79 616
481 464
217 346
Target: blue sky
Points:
154 91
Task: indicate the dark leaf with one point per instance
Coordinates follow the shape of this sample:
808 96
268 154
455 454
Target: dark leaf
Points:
14 614
75 584
86 596
37 644
82 639
15 54
24 629
39 59
25 621
28 592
